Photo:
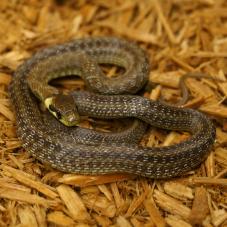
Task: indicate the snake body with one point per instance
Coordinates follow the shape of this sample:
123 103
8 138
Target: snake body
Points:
76 150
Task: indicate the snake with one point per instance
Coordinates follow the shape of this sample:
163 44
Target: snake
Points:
78 150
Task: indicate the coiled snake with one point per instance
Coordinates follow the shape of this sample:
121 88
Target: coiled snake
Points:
73 149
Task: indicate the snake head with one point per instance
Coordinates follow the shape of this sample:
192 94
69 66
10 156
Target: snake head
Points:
63 107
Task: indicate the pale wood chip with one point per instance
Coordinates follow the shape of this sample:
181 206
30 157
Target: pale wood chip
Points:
171 205
4 183
145 8
208 54
16 161
181 63
59 218
13 194
147 22
88 11
102 220
208 180
221 136
12 144
27 216
40 213
100 204
2 208
221 76
164 22
82 181
76 23
82 225
48 20
154 213
207 221
136 223
103 188
200 89
6 112
155 93
21 177
221 156
215 110
175 221
221 174
223 88
73 203
127 5
136 203
90 189
116 194
178 190
151 139
30 13
12 59
123 222
130 32
218 217
170 139
169 79
200 207
210 165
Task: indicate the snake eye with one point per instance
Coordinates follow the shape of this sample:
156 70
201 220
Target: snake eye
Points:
51 107
54 110
58 115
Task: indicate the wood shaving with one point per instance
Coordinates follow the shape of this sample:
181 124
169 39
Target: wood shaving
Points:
180 37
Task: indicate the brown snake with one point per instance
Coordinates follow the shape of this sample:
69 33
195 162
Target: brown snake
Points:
71 149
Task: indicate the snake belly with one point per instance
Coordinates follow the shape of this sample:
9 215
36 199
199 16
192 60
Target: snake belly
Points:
51 142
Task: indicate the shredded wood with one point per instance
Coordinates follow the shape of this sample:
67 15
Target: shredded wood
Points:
180 36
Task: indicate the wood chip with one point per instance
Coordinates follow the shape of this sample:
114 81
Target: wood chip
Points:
5 78
164 22
103 188
100 205
218 217
27 217
59 218
117 197
73 203
179 37
171 205
123 222
82 181
40 214
6 112
154 213
169 79
178 190
208 180
136 203
175 221
18 175
200 207
17 195
102 220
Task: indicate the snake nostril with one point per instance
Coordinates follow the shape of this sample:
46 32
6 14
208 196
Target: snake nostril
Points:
72 118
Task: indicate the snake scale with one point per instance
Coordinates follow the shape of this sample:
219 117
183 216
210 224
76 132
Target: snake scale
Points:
73 149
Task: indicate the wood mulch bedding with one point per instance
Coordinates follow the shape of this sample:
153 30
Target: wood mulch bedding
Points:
180 36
